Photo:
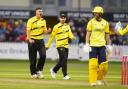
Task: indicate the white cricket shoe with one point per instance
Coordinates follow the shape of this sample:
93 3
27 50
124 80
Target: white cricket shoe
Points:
100 82
39 74
34 76
66 77
53 74
93 84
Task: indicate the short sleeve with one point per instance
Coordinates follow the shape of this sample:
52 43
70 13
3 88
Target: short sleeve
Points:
29 25
89 26
107 28
45 26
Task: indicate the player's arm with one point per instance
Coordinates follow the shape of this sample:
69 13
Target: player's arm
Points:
28 33
45 28
51 37
89 31
88 34
109 48
107 36
86 47
28 29
123 31
29 25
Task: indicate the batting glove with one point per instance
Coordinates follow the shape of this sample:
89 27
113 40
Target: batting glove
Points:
109 49
118 26
87 48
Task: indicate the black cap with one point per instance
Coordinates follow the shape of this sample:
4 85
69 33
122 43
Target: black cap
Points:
62 15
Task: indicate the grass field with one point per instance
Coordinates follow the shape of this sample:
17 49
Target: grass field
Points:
15 75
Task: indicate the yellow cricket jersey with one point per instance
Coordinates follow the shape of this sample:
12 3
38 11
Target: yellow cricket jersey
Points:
37 27
98 30
123 31
62 33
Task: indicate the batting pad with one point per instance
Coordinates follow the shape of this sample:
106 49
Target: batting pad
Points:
102 70
93 64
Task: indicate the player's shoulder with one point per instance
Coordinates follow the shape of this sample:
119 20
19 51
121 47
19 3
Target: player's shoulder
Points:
91 20
58 25
32 19
104 20
66 24
42 19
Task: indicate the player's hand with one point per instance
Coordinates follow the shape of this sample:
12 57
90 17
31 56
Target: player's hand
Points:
87 48
46 47
109 49
49 30
118 26
31 41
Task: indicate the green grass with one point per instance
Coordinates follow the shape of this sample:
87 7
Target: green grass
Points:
15 75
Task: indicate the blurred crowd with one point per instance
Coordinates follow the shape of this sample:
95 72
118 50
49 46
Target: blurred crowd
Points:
12 30
78 27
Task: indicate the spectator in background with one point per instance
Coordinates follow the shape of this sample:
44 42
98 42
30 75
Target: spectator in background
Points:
71 23
79 23
76 41
18 30
2 33
81 35
78 26
9 28
115 40
23 36
85 21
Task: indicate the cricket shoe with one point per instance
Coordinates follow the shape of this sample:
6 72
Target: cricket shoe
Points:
100 82
34 76
53 74
66 77
93 84
40 74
